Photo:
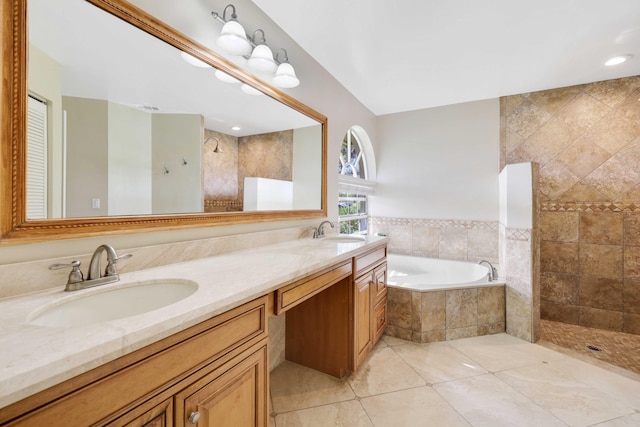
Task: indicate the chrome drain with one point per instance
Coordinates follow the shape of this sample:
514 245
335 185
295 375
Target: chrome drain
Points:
594 348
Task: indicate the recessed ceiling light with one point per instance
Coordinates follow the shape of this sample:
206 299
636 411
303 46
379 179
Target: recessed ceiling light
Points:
235 128
617 60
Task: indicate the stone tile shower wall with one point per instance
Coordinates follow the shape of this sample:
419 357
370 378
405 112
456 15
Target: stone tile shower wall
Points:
436 238
586 140
268 155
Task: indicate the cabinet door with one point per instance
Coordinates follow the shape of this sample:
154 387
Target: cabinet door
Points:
234 395
363 319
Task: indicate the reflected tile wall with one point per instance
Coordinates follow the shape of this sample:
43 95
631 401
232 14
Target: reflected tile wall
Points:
434 238
586 139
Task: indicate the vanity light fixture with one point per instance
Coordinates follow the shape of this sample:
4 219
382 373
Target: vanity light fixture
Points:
233 38
222 76
285 74
217 149
189 59
250 90
259 56
617 60
261 59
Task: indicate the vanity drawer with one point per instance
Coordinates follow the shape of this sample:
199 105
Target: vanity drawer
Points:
365 262
380 281
119 386
297 292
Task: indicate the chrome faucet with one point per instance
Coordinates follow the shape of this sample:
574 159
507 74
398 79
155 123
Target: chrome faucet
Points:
493 273
319 232
76 280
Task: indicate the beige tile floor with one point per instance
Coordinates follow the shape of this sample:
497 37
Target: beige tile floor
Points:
493 380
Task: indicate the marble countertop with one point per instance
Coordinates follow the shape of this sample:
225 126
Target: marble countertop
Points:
33 358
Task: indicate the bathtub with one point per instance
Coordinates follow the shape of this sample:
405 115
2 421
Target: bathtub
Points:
431 300
424 274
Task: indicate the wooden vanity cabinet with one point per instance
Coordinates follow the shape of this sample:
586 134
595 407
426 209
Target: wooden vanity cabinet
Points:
370 302
231 395
218 364
335 317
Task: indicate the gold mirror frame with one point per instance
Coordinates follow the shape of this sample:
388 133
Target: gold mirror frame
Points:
16 229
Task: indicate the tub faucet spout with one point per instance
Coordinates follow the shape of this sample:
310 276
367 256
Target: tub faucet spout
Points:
493 272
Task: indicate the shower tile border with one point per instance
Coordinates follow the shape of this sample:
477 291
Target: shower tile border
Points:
589 207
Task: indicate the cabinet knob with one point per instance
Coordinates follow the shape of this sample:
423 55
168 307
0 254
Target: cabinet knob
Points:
194 417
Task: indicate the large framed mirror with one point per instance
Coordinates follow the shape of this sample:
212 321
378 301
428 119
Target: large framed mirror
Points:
113 122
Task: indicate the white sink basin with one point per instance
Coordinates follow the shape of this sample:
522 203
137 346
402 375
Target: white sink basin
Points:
98 305
345 238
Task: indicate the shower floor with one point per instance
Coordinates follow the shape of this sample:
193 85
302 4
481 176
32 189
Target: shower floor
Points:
616 348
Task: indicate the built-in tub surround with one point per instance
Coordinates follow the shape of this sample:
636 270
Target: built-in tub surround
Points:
429 312
440 238
37 357
587 141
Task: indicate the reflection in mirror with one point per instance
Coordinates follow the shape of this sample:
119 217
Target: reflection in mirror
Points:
119 123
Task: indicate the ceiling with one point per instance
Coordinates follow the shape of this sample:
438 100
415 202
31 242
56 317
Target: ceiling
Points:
413 54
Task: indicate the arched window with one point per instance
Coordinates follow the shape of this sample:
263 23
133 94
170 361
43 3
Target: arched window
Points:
352 158
356 180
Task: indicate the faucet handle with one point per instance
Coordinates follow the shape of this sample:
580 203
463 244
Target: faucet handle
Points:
125 256
75 276
111 269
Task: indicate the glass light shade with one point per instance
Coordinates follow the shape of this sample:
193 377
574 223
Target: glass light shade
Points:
617 60
233 39
222 76
250 90
261 60
193 60
285 76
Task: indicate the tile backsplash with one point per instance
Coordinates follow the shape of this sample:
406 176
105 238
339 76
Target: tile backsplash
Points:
440 238
25 277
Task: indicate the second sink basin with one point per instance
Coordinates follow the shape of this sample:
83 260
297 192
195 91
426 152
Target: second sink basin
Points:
113 304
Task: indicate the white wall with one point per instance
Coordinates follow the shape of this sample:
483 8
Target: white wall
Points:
87 156
439 163
307 182
129 149
44 82
176 137
516 196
